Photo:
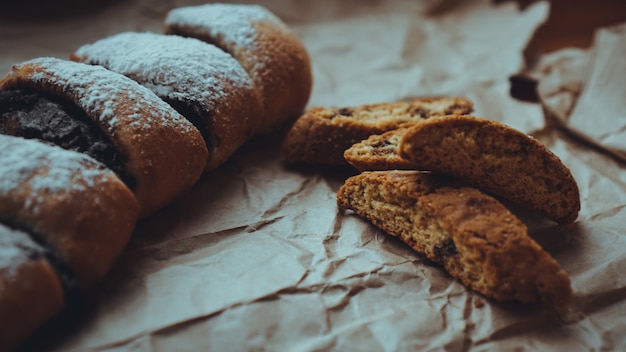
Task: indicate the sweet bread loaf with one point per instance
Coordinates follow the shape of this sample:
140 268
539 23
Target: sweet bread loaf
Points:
269 51
379 152
205 85
135 121
85 151
497 159
73 204
30 290
470 234
322 135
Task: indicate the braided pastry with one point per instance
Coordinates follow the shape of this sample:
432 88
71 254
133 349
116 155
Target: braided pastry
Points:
128 124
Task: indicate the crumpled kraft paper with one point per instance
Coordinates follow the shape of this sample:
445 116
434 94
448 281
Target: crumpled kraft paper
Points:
259 257
584 90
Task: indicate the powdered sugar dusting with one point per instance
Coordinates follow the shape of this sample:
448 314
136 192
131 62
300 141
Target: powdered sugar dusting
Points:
231 22
16 247
173 67
43 170
99 92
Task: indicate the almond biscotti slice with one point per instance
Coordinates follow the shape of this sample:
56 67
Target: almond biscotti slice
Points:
497 159
379 152
322 135
473 236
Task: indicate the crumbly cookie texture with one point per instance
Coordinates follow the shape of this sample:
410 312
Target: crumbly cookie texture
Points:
473 236
379 152
497 159
322 135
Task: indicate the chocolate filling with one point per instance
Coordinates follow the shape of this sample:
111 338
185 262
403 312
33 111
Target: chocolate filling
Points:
33 115
191 113
43 250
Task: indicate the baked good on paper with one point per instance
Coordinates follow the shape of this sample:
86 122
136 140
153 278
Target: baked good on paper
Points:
470 234
497 159
274 57
85 151
160 153
379 152
80 210
322 135
205 84
30 290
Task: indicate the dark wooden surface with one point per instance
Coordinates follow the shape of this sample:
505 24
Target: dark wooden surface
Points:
571 23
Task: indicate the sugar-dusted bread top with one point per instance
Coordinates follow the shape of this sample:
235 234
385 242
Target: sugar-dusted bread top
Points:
80 209
497 159
206 85
272 54
36 115
163 151
472 235
322 135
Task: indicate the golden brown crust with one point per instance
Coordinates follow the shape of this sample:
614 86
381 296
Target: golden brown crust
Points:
271 53
164 152
474 237
80 209
497 159
287 80
379 152
30 290
322 135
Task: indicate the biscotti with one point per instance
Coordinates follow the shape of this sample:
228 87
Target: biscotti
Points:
137 123
497 159
470 234
274 56
322 135
379 152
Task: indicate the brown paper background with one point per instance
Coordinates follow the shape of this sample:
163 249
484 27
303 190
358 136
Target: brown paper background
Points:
259 257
